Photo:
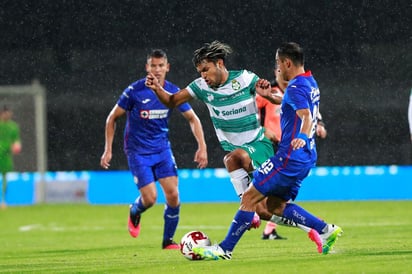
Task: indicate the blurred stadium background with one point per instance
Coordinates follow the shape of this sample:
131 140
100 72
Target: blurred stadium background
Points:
84 53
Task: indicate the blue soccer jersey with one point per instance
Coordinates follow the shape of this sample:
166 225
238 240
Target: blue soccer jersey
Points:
302 92
146 129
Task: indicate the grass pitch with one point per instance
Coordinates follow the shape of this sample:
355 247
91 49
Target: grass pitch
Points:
94 239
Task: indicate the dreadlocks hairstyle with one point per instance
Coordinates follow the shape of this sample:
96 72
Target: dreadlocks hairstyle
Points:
211 52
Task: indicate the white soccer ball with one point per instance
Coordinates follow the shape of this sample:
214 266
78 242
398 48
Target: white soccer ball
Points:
193 239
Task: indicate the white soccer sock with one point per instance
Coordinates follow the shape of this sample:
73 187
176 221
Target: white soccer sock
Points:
286 222
240 180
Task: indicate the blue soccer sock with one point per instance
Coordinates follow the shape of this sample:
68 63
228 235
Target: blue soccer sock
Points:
240 224
138 205
171 218
301 216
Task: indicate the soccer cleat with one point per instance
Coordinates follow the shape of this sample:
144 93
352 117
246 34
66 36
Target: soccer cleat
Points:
212 252
255 222
329 238
315 237
170 244
134 222
272 236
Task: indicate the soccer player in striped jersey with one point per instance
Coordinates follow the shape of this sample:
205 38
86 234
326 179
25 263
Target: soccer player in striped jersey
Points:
230 98
279 178
147 146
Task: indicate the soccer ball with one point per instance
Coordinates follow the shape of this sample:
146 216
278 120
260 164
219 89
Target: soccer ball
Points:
193 239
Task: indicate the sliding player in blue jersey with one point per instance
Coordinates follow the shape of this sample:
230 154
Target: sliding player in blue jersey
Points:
280 177
147 146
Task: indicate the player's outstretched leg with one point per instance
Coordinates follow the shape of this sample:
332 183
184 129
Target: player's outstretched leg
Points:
328 233
312 233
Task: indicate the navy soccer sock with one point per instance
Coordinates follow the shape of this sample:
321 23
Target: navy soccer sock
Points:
138 206
240 224
301 216
171 218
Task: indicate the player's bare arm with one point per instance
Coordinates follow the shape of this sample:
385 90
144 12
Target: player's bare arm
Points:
321 130
169 100
110 128
305 130
197 130
264 89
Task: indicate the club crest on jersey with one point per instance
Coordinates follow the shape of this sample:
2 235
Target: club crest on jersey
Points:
235 84
144 114
210 97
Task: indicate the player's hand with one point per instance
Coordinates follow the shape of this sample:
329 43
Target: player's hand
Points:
105 160
16 148
201 158
298 143
151 81
263 87
321 131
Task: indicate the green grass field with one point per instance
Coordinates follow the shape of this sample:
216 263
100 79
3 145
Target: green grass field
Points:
94 239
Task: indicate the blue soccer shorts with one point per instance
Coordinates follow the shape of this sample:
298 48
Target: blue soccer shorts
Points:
148 168
270 180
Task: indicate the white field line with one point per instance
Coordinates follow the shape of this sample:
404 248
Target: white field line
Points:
55 227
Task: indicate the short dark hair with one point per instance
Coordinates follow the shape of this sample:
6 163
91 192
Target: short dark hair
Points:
211 52
293 51
157 53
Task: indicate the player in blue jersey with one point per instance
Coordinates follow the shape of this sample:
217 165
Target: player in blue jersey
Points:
147 146
279 178
272 123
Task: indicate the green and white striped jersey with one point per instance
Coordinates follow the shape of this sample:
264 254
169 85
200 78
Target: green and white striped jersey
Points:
232 108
